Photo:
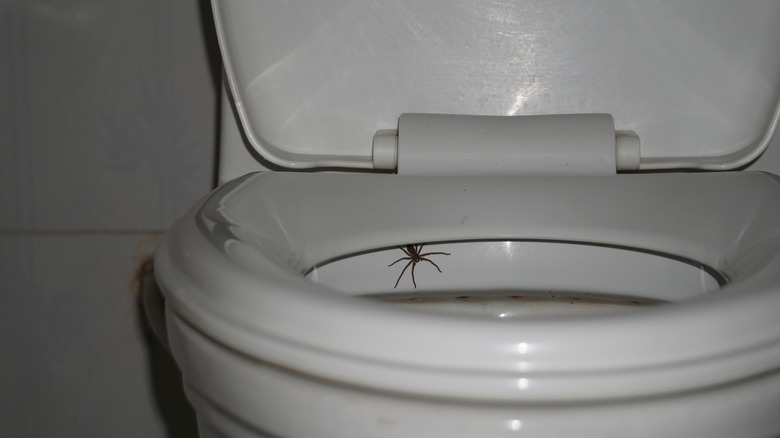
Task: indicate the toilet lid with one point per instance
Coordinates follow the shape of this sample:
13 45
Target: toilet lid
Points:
313 81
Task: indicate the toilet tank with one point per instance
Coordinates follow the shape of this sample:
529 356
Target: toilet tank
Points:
312 81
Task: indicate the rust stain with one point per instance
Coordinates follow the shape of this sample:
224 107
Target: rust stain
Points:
144 269
143 259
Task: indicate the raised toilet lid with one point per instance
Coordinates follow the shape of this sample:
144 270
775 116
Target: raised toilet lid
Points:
313 81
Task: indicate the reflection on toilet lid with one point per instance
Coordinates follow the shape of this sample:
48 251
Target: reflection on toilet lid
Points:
313 82
234 267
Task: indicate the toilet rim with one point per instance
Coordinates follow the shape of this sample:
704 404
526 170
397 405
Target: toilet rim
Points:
306 328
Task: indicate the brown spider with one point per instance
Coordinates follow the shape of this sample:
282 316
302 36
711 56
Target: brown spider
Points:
413 254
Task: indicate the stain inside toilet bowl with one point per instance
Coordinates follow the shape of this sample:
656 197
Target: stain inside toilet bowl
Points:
509 279
512 304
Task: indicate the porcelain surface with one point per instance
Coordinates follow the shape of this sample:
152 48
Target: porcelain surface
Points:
247 236
313 81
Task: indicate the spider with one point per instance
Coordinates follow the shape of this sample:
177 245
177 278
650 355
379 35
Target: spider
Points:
413 254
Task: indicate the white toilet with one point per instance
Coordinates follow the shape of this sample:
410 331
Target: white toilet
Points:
574 279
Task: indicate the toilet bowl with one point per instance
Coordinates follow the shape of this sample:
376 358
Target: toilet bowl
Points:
657 357
551 296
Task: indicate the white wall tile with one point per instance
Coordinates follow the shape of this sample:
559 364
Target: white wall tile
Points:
108 116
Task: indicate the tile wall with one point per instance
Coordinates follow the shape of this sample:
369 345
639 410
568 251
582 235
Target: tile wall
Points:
108 128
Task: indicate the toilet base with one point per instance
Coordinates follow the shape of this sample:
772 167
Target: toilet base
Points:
237 396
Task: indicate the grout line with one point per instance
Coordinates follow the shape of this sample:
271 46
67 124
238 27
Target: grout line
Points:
71 233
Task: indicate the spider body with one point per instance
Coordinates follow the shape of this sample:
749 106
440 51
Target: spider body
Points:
415 255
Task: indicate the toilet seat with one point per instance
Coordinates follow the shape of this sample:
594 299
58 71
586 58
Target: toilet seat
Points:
247 233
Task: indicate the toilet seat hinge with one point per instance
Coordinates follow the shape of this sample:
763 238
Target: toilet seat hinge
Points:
446 144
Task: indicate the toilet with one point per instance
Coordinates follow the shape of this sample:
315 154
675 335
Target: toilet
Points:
462 219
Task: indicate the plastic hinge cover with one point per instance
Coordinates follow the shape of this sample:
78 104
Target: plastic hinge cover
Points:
438 144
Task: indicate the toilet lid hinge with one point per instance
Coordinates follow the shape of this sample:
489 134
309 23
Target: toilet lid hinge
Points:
577 144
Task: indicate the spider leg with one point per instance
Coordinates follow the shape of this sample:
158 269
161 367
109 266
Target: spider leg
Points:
432 253
402 274
402 258
429 261
413 280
